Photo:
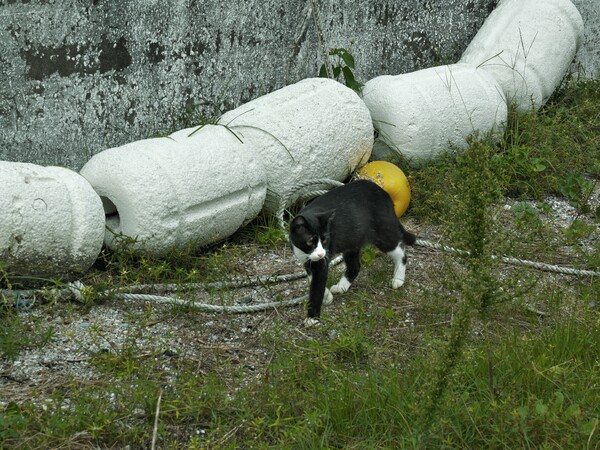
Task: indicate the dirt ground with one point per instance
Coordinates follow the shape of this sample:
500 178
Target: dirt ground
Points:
168 333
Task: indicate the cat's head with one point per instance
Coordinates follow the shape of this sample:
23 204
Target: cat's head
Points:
309 236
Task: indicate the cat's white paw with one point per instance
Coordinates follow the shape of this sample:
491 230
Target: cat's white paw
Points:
397 282
342 286
328 297
310 322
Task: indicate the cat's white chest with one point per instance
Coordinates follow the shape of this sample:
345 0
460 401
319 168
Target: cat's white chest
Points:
317 254
299 254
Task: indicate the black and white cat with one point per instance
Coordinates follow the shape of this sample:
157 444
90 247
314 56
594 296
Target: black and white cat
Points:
342 221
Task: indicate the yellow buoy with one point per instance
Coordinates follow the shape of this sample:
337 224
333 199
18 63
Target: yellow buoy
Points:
393 181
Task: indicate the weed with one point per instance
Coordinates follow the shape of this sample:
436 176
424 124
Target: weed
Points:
207 112
4 276
479 187
16 335
263 230
562 139
577 189
578 230
527 216
342 65
468 354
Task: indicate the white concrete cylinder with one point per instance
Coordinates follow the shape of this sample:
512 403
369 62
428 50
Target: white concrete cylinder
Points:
316 128
425 113
51 221
528 46
196 187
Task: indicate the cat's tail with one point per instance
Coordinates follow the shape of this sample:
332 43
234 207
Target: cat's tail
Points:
407 237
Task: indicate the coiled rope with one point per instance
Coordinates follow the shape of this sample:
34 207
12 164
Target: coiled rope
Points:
285 202
24 299
297 194
514 261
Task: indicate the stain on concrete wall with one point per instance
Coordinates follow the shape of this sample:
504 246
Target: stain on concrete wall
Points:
80 76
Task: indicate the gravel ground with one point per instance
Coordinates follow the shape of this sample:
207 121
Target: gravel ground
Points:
166 333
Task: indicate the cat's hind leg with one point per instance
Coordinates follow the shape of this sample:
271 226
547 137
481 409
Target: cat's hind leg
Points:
399 257
352 260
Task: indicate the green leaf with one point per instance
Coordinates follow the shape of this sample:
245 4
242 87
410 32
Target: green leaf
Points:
589 427
348 75
355 86
350 81
559 400
537 165
541 408
323 72
572 411
347 58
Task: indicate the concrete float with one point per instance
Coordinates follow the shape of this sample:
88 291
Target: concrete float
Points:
51 221
200 185
528 47
193 188
316 128
424 113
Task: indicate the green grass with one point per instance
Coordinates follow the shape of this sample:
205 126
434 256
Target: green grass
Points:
16 336
470 353
549 152
543 392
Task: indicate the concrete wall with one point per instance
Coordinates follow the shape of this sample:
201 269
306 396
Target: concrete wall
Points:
587 61
80 76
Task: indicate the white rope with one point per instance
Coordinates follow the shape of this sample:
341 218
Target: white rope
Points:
225 309
513 261
423 243
235 283
285 200
76 288
125 293
206 307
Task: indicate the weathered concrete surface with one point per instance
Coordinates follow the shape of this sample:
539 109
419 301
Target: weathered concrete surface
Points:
587 60
51 221
195 187
314 129
423 114
528 47
77 77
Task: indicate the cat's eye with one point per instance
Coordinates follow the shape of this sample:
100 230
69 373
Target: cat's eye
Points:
309 242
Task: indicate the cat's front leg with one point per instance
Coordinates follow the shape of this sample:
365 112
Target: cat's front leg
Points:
327 297
318 288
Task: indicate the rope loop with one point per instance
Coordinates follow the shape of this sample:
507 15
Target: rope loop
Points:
287 199
76 288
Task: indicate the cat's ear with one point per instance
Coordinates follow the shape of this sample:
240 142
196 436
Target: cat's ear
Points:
298 222
326 217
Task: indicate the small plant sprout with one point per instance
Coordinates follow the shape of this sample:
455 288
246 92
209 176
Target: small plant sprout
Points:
342 65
